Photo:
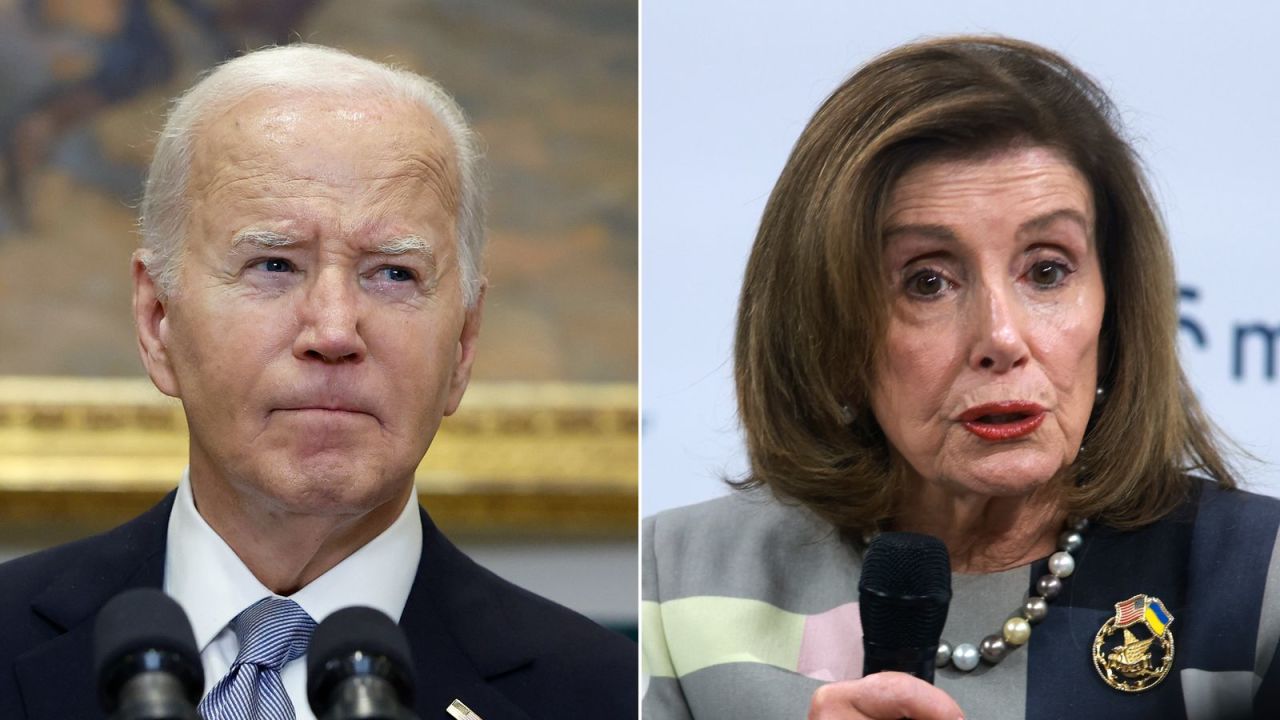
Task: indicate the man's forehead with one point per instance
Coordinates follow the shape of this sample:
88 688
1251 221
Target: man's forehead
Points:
326 136
275 110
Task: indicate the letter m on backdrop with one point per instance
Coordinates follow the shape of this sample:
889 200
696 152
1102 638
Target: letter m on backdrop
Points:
1268 336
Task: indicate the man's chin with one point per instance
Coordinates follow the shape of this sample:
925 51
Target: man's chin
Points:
329 485
344 440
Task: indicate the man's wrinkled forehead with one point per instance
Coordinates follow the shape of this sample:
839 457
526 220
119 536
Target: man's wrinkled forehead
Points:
337 138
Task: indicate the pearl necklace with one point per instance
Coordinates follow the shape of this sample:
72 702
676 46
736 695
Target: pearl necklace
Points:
1017 629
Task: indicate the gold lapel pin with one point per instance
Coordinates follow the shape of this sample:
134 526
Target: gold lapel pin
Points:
1131 663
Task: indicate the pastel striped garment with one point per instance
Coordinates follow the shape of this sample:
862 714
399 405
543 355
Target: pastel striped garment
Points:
749 605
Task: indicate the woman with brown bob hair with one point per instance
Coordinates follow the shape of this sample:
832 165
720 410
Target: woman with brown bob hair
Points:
958 319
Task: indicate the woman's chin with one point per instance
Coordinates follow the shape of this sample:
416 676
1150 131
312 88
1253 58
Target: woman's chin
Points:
1010 474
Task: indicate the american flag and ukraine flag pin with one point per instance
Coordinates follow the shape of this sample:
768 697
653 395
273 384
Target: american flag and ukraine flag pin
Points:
1129 661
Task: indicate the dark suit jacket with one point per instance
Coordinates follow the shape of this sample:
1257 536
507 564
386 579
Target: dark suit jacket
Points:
506 653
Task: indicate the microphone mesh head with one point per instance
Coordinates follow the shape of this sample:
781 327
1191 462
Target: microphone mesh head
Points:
364 630
904 590
144 619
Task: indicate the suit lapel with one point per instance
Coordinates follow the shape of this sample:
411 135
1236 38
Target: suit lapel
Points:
459 634
56 677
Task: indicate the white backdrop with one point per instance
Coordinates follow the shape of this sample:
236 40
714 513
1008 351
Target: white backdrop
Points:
727 87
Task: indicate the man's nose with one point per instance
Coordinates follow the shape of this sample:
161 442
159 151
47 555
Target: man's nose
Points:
330 315
999 321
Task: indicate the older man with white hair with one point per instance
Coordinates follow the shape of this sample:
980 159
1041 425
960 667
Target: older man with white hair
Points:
309 286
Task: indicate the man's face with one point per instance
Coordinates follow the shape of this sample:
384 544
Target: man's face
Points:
318 333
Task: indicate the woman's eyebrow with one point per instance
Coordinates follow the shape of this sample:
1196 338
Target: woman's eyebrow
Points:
929 230
1042 222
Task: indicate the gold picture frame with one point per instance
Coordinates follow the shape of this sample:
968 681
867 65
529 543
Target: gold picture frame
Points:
555 459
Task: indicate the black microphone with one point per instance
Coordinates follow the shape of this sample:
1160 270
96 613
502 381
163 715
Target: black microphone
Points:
145 658
359 668
902 599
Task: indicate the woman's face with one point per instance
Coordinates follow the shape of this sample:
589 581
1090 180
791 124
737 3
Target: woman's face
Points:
990 363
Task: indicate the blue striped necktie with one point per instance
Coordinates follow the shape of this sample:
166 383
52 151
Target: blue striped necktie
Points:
272 632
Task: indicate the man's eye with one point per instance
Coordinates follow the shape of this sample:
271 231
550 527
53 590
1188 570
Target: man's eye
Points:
275 265
397 274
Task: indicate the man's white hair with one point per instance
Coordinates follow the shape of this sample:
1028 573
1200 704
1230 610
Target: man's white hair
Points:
166 206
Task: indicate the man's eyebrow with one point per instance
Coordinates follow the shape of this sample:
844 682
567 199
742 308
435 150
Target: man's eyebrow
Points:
264 239
404 245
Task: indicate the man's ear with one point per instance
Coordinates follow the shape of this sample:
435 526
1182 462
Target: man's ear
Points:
150 317
466 351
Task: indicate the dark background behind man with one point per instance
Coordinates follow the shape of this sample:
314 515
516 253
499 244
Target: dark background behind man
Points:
551 88
308 285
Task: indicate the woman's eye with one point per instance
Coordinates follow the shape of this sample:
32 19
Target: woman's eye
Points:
1048 273
926 283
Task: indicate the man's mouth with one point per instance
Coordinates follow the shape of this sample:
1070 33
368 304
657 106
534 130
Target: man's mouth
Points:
325 412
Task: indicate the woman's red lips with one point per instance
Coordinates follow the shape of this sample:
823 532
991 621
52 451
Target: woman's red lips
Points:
1003 420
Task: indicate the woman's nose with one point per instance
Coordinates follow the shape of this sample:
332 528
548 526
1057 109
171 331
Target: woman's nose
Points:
1000 333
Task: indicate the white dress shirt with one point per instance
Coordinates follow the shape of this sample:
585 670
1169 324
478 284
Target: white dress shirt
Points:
213 585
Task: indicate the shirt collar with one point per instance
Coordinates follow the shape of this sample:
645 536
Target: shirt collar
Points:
213 585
